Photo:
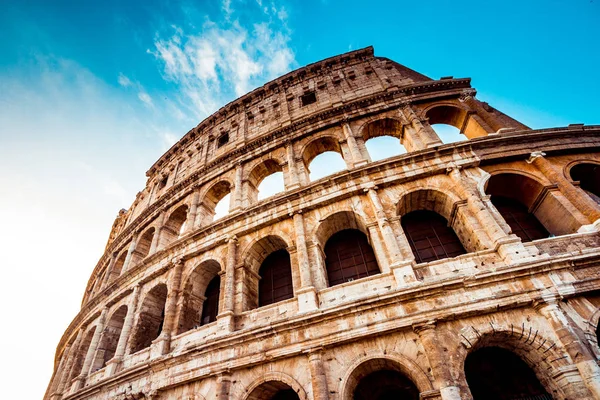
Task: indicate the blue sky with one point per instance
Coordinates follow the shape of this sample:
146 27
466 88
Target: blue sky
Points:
92 93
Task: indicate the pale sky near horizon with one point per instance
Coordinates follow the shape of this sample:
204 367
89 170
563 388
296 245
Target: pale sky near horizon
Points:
92 93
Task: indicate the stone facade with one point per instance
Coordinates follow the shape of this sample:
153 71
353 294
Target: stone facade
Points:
144 330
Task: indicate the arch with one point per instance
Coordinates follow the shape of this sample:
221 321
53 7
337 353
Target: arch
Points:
495 373
336 221
110 338
212 198
265 169
349 256
430 237
257 260
275 283
194 295
82 351
174 226
272 384
522 223
527 207
469 123
117 267
319 147
535 350
151 318
588 176
365 366
439 201
142 247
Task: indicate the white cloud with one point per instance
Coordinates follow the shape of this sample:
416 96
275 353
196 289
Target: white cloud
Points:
124 81
146 99
224 61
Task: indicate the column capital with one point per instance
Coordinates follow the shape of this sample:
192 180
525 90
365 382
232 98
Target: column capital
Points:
534 156
421 327
232 239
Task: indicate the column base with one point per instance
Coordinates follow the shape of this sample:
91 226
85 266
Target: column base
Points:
594 227
404 273
307 299
450 393
77 383
360 163
512 250
226 321
113 366
160 346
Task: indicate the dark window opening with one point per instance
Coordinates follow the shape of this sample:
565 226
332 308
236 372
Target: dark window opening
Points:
275 278
386 385
286 394
210 308
163 182
223 140
430 237
494 373
308 98
522 223
588 176
349 256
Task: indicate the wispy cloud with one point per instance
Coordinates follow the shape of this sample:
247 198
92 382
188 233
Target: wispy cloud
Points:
227 59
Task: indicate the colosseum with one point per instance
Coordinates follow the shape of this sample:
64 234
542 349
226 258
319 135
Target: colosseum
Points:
463 270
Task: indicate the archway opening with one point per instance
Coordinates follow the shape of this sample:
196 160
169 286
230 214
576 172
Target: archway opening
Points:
383 147
386 385
275 283
110 338
82 351
494 373
325 164
271 185
151 318
383 139
273 390
323 157
522 223
430 237
469 125
175 225
265 180
117 268
448 133
142 248
200 304
588 176
216 203
210 307
529 211
349 256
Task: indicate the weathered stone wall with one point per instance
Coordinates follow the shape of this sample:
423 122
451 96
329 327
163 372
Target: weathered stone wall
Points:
538 299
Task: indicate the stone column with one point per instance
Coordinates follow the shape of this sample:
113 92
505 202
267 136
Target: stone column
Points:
192 212
156 238
437 361
583 203
402 268
113 365
357 158
293 178
91 353
169 326
235 204
317 375
225 319
68 366
130 251
582 357
420 136
223 385
307 294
